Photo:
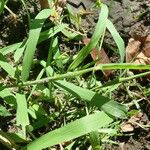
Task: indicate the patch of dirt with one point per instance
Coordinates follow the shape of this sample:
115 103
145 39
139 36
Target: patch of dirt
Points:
139 141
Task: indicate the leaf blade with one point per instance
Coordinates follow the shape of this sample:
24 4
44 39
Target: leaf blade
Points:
99 30
22 112
110 107
34 34
70 131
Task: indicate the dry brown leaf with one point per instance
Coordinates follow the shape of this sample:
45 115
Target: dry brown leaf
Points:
138 50
136 121
101 56
127 127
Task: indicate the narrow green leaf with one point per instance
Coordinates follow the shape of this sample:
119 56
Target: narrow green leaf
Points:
71 131
8 97
2 4
4 112
119 41
109 106
99 30
6 66
34 34
19 52
71 35
51 32
22 112
10 48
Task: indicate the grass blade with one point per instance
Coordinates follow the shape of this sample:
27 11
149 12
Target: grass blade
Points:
51 32
71 131
10 48
109 106
119 41
99 30
22 112
34 34
2 4
6 66
4 112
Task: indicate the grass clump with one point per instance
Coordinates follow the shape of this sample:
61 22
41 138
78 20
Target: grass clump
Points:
52 103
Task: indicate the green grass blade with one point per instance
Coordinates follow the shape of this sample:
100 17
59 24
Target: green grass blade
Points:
8 97
22 112
80 72
34 34
51 32
71 35
2 4
10 48
119 41
109 106
4 112
6 66
19 52
71 131
99 30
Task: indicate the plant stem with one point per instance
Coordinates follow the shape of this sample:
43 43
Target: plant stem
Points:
95 68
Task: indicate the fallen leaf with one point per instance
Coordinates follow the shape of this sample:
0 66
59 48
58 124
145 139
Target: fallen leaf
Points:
135 121
100 56
138 50
127 127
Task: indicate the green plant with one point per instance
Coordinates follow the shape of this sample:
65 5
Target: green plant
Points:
59 85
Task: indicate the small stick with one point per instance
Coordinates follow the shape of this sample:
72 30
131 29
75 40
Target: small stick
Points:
10 11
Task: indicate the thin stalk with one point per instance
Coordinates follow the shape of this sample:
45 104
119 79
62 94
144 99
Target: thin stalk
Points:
121 80
95 68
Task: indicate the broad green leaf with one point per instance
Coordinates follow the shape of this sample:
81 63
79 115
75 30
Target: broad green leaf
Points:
119 41
71 131
6 66
34 34
4 112
99 30
109 106
22 112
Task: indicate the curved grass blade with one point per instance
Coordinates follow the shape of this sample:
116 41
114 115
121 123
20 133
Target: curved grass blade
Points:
34 34
119 41
99 30
71 131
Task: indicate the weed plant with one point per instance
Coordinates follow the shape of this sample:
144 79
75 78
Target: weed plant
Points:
52 103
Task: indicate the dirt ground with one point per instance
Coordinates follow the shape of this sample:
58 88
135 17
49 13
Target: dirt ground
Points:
130 17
